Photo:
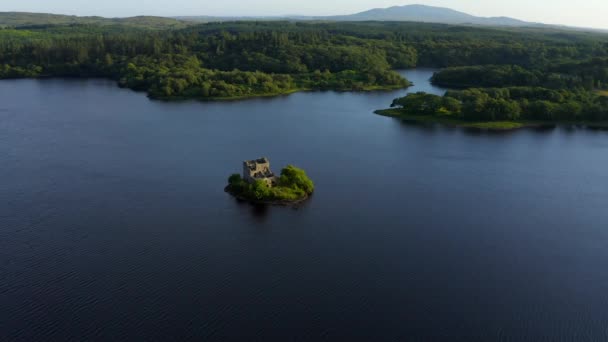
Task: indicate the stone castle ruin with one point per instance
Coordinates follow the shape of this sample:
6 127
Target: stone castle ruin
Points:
259 169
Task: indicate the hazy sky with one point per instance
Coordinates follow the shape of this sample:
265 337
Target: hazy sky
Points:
586 13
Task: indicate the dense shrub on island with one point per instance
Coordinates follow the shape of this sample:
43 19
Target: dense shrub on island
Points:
292 186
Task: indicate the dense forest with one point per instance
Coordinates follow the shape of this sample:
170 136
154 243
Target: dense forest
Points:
243 59
24 20
207 61
555 91
587 73
508 104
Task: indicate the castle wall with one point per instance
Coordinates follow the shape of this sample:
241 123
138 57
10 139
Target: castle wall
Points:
253 167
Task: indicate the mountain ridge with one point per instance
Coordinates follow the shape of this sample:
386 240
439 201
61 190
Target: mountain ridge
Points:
411 13
414 13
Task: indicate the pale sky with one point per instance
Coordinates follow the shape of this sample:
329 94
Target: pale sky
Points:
584 13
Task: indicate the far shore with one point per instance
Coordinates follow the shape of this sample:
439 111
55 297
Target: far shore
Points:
277 94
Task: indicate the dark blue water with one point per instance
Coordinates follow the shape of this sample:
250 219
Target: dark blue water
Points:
114 224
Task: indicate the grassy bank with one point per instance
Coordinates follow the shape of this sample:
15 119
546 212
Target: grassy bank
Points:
448 121
275 94
227 98
484 125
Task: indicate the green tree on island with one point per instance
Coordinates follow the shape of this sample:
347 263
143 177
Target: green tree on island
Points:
293 185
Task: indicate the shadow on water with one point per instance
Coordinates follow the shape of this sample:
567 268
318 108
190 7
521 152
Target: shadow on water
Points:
423 126
597 128
540 130
572 128
547 128
475 131
260 212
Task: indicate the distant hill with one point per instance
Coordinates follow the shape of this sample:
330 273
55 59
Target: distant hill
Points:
212 19
412 13
415 13
24 19
429 14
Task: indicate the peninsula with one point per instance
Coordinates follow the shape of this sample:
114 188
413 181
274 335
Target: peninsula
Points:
505 108
260 185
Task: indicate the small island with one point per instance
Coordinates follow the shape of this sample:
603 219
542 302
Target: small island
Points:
259 185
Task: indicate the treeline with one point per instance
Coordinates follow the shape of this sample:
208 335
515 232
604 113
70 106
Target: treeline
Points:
223 60
588 74
509 104
184 77
554 91
190 64
441 46
37 20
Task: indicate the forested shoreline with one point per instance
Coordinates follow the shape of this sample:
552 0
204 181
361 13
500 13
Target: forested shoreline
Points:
563 79
559 92
503 108
246 59
214 61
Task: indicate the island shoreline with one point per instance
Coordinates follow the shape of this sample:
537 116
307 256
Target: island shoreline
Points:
483 125
278 203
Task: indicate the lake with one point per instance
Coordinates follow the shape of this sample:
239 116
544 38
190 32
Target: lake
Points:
114 224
